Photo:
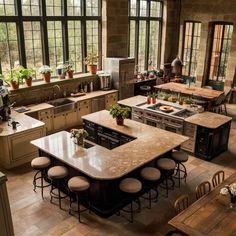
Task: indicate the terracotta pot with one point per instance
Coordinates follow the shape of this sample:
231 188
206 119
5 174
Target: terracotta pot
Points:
119 121
70 74
92 69
47 77
14 84
153 100
28 81
148 100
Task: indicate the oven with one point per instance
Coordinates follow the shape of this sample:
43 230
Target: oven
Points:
175 128
153 119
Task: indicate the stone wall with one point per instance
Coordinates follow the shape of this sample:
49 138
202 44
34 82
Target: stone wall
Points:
208 11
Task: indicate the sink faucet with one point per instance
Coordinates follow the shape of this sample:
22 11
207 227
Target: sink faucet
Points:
56 86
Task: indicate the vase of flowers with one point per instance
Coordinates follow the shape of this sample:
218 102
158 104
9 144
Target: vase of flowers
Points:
231 191
79 135
120 113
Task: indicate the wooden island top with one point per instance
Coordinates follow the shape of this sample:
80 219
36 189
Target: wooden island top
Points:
208 94
103 164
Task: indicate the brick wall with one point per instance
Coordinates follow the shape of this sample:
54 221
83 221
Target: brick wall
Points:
207 11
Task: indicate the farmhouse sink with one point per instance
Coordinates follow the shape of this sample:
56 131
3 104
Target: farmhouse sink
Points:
62 105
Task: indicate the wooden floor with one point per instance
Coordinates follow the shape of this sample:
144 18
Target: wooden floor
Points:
33 216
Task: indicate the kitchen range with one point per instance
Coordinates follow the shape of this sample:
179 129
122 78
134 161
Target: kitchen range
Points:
204 129
163 114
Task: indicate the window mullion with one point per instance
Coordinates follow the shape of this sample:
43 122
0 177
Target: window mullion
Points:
191 50
83 34
65 32
147 37
221 47
20 34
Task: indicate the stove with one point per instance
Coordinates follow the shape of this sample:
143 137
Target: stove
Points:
157 106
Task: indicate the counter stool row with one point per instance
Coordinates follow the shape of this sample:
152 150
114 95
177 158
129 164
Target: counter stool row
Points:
131 187
58 176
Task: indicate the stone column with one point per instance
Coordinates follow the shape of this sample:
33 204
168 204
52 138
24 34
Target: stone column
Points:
6 226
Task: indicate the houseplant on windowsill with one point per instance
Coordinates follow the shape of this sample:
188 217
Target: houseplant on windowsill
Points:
119 113
91 61
26 74
79 135
61 71
231 191
69 71
13 78
46 73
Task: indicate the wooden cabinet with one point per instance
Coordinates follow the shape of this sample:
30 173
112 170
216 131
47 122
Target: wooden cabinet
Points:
110 99
17 150
71 119
84 108
46 116
59 122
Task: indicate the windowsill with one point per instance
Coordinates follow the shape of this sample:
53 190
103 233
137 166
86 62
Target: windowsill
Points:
54 80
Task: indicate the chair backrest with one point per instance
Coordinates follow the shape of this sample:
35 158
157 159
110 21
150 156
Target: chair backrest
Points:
228 93
220 99
218 178
202 189
181 203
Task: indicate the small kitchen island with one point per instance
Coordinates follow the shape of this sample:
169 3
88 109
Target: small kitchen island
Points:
104 167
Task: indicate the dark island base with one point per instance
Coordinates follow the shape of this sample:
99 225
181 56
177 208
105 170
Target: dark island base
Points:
104 195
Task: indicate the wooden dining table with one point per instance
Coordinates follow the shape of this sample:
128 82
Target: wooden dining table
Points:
184 89
210 215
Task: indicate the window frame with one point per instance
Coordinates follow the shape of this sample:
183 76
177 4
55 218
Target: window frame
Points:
210 48
147 19
18 19
192 39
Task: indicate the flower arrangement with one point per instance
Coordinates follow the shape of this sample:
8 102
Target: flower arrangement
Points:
45 69
79 135
91 61
231 191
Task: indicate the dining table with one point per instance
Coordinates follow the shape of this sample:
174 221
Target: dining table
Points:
211 215
185 89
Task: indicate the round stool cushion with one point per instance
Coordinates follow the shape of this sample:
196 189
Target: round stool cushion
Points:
179 156
166 164
130 185
40 162
150 173
57 172
78 183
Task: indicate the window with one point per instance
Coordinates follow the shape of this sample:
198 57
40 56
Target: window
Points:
8 45
145 20
191 43
220 47
36 32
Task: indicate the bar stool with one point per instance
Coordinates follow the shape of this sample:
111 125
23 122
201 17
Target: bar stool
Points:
40 164
151 177
131 187
58 175
180 157
167 167
77 185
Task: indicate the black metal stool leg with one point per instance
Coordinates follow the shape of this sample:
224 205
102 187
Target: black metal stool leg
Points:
78 202
131 212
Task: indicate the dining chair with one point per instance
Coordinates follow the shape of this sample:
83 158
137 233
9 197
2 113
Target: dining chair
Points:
181 203
218 178
202 189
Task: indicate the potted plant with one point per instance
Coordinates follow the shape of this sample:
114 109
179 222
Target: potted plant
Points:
69 70
61 71
13 78
46 73
26 74
231 191
91 61
79 135
120 113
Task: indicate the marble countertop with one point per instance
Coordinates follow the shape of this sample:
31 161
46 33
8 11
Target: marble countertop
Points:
133 101
25 123
101 163
208 119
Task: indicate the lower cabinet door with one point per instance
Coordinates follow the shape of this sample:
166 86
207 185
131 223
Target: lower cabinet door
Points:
72 120
59 122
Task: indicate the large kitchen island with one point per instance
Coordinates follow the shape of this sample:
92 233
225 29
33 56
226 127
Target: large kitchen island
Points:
104 166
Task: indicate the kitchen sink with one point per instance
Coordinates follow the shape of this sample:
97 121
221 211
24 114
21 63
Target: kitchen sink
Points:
62 105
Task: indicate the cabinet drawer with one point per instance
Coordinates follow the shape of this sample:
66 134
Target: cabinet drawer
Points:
84 103
45 113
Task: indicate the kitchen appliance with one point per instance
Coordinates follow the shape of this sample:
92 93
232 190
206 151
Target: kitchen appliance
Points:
105 81
122 74
5 107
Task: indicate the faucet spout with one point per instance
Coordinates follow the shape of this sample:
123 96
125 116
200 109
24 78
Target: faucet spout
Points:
56 86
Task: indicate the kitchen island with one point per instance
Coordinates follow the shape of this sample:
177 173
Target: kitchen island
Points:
105 168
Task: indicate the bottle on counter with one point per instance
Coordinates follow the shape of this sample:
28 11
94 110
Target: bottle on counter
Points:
85 88
91 86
